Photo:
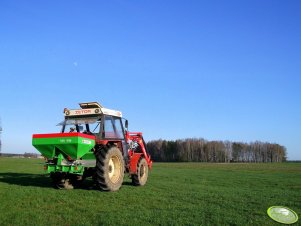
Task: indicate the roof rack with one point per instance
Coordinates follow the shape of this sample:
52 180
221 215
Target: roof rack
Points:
92 109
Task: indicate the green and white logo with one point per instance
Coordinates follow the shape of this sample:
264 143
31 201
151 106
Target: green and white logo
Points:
86 141
282 214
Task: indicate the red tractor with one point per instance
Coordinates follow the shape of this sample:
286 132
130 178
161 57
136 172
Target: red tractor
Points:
94 141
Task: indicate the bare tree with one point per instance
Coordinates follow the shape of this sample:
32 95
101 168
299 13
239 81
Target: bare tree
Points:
200 150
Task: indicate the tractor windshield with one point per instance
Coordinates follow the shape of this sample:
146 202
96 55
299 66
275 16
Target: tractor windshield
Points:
81 125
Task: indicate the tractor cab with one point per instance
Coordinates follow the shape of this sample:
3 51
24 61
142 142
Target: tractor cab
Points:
93 119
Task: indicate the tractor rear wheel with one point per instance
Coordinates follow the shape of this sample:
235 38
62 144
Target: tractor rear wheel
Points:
109 170
140 178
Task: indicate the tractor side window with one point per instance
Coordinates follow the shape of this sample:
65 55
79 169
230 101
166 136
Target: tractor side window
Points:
119 130
109 128
113 128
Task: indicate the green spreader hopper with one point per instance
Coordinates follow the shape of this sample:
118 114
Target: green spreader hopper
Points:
74 145
58 148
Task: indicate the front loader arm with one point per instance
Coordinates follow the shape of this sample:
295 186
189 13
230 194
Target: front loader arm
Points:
134 156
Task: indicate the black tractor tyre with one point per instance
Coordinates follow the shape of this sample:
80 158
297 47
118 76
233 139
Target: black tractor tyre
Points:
140 178
61 181
109 170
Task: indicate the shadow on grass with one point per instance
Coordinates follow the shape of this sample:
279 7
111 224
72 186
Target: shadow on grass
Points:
25 179
44 181
127 183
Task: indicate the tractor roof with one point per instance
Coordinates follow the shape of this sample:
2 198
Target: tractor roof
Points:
91 109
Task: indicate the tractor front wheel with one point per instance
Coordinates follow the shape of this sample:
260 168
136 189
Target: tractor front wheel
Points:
109 170
140 178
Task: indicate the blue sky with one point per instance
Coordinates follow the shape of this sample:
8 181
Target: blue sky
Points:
221 70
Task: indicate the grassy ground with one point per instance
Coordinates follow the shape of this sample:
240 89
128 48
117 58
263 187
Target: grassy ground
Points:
176 194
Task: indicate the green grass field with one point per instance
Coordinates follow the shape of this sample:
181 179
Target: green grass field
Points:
176 194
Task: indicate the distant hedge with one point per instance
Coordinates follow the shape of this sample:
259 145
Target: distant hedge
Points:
201 150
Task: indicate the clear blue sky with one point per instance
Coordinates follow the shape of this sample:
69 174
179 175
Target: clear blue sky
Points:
221 70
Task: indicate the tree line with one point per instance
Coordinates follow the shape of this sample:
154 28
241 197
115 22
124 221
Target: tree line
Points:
201 150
